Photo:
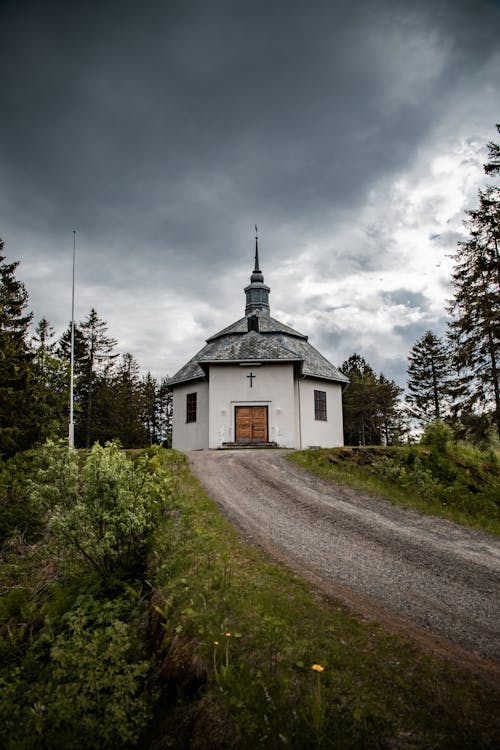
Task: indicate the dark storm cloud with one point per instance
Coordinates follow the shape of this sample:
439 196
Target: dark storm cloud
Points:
112 112
163 130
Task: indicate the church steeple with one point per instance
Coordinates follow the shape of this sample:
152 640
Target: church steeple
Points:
257 293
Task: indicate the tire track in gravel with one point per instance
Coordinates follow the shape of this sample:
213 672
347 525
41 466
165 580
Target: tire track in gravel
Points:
407 570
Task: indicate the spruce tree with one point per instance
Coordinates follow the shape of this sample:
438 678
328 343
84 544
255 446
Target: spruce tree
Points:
96 367
357 400
391 416
94 359
52 382
371 405
157 410
492 166
166 410
126 399
18 422
475 330
152 414
429 379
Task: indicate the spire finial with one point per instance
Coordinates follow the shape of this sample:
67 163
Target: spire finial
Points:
256 269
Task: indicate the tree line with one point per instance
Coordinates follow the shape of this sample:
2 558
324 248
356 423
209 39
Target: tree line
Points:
454 378
111 399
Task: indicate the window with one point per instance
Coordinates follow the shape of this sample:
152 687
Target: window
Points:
320 405
253 323
191 407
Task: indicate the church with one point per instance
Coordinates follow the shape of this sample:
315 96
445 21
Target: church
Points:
257 383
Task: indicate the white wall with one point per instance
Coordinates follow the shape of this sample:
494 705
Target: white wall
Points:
272 387
289 425
190 436
315 431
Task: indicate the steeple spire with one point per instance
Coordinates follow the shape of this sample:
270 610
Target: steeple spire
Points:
256 269
257 273
257 293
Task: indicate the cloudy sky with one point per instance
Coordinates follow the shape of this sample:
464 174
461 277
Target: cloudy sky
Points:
352 133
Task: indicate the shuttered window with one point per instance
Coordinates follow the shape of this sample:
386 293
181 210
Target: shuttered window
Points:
320 405
191 407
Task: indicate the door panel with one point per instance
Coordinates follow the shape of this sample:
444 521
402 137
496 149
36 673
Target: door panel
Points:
243 424
259 424
251 424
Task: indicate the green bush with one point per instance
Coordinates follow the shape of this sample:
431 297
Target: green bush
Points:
437 435
73 673
81 687
18 513
100 517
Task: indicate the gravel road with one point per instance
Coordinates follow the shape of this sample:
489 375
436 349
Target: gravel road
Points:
386 562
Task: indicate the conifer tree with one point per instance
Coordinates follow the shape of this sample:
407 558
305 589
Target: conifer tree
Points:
166 408
95 366
157 414
18 424
391 416
357 400
429 378
51 378
94 359
150 411
126 401
492 166
475 330
371 405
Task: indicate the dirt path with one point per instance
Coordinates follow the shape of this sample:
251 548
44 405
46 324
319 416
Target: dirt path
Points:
435 580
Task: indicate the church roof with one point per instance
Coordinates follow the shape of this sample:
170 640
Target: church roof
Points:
266 325
273 341
250 346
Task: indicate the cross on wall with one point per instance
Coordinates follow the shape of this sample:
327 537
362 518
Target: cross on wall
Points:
251 376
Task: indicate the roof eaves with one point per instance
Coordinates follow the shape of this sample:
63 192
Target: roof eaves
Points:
189 379
334 378
250 360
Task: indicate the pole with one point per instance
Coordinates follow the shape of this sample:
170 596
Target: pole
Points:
72 359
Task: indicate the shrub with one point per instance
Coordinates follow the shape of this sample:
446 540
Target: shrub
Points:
18 514
437 435
80 688
73 671
100 517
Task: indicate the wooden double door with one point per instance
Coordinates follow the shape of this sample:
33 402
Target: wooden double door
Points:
251 424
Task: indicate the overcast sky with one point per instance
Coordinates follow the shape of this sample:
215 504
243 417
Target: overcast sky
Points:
352 133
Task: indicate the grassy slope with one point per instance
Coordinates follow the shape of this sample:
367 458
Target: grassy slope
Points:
256 686
460 483
237 637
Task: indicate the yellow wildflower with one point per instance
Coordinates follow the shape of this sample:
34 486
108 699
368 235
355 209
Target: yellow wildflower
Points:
318 668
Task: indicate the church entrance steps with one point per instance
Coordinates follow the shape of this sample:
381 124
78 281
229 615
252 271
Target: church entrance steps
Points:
240 446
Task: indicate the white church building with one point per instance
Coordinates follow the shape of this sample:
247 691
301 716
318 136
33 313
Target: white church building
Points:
257 383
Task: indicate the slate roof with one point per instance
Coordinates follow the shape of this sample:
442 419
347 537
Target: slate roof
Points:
274 342
249 346
266 325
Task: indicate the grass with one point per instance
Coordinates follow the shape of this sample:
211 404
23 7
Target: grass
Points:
236 637
241 653
460 482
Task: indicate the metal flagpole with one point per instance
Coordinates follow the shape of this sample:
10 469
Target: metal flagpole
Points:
72 360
